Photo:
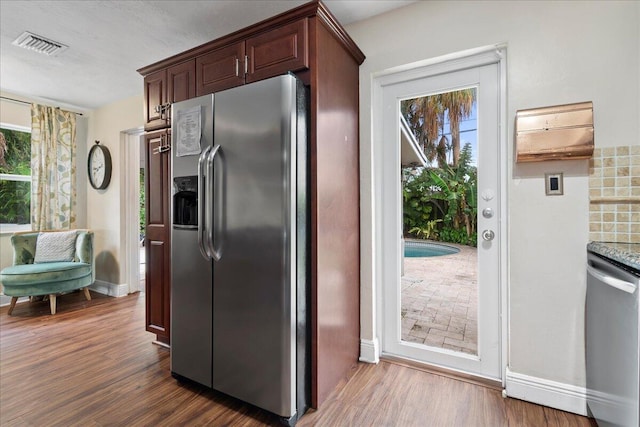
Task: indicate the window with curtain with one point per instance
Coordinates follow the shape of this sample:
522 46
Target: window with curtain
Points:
15 176
53 168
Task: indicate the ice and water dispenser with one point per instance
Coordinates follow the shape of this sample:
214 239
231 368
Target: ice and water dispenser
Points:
185 202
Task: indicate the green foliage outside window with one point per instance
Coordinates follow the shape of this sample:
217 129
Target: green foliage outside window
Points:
15 159
142 203
440 203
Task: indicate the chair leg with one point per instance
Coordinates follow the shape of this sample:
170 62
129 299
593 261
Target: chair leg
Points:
12 305
52 303
87 295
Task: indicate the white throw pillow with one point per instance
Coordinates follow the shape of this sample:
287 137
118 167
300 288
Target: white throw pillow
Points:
55 246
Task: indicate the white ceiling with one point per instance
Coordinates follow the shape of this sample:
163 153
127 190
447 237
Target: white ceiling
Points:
109 40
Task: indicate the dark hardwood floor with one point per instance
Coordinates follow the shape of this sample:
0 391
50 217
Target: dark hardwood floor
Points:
93 364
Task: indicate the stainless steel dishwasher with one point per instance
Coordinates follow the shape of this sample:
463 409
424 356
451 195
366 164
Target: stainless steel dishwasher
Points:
612 342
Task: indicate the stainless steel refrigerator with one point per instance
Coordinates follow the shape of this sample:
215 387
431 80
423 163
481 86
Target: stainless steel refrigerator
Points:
239 244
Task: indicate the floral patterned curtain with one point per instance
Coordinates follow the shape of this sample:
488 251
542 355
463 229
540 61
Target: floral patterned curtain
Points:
53 168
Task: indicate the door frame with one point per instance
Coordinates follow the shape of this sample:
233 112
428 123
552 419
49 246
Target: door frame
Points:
129 200
453 62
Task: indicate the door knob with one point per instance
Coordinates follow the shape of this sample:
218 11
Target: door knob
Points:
488 235
487 212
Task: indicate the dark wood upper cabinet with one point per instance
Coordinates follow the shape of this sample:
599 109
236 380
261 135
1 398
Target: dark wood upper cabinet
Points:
181 81
155 95
277 51
268 54
176 83
221 69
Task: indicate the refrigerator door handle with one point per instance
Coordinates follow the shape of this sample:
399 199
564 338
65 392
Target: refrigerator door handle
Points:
202 203
210 208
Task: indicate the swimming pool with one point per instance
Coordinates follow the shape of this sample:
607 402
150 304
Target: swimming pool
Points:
414 249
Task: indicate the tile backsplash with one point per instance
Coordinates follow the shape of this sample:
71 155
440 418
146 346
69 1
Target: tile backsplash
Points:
614 194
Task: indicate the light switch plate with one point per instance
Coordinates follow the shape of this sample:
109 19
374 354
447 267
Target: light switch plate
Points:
553 184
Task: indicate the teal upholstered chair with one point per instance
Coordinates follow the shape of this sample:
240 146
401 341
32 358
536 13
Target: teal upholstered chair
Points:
49 263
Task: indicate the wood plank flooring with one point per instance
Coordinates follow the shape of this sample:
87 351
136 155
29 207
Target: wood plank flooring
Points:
93 364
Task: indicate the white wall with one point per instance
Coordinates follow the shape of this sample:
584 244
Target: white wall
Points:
557 53
103 206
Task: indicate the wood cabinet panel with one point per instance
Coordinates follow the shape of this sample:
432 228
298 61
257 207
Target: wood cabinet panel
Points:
220 69
335 214
181 81
277 51
157 234
155 95
156 296
181 84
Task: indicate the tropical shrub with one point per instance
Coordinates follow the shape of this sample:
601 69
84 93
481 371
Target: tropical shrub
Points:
141 206
459 236
429 231
441 203
419 205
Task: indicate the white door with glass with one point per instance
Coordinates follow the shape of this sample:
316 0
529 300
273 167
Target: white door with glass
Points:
443 309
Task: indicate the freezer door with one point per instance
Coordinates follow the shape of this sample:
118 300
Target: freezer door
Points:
254 233
191 274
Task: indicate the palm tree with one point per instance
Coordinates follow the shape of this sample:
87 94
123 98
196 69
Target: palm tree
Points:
458 105
425 115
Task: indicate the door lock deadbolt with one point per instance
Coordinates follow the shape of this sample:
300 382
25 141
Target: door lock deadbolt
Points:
488 235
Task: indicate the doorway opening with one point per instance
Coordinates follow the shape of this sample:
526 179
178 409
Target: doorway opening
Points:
439 203
133 207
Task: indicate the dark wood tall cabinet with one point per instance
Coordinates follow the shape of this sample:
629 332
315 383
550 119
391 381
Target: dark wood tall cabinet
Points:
309 42
157 233
161 88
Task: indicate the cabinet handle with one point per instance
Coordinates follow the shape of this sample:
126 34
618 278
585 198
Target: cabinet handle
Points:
246 64
163 146
237 67
158 149
162 109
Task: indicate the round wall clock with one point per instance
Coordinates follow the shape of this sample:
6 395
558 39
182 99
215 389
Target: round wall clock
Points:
99 166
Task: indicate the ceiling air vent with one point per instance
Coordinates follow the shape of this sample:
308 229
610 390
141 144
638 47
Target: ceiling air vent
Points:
39 44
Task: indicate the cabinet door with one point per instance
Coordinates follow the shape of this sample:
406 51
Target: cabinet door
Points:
157 235
278 51
181 84
221 69
155 95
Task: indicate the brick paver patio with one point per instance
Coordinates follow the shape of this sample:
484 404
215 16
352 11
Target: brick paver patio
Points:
439 301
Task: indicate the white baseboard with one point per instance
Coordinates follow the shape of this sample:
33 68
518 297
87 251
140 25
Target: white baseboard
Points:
110 289
99 286
565 397
369 351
